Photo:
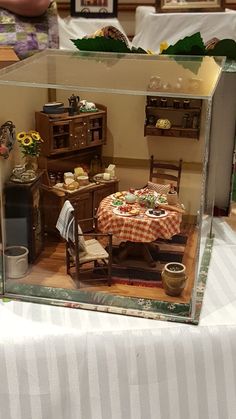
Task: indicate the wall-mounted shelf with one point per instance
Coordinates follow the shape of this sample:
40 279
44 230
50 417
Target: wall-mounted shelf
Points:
184 116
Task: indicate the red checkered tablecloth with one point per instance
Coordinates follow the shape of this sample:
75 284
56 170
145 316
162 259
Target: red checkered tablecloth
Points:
140 228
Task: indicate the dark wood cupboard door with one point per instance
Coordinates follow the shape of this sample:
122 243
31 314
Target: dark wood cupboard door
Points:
23 213
96 130
102 192
85 201
60 136
37 222
79 133
52 205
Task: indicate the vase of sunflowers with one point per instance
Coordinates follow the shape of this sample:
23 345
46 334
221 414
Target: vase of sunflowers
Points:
30 144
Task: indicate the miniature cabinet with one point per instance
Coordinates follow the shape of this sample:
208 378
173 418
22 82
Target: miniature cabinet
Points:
70 141
70 133
24 216
89 199
183 114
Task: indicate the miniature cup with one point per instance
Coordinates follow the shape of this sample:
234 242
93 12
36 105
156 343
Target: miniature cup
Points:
106 176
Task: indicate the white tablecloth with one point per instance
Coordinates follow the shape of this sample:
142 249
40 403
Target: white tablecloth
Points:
61 363
151 28
140 13
74 28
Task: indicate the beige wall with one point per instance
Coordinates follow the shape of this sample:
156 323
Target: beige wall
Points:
126 116
125 140
18 105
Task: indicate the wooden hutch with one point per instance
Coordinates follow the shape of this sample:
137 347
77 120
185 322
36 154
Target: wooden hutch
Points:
69 142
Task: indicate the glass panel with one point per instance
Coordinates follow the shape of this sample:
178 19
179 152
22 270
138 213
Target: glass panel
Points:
188 76
233 187
157 229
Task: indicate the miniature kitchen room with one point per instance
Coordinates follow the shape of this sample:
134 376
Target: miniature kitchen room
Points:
88 153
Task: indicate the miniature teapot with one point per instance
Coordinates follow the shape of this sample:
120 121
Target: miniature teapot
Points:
130 198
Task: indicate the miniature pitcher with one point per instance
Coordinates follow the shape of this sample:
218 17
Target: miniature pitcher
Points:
74 104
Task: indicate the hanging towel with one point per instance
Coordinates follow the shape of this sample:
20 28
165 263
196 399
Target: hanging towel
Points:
65 220
65 225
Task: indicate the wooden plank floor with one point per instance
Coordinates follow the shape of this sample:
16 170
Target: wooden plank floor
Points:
50 271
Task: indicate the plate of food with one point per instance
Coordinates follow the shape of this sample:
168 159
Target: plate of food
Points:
126 211
22 179
145 192
118 195
103 178
117 202
156 213
162 199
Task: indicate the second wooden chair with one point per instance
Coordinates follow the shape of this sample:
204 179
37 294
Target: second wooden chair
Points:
163 171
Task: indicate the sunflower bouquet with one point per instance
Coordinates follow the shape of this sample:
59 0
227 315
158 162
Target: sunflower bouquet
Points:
30 142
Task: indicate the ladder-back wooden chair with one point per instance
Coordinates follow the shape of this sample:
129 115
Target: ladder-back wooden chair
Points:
165 172
89 254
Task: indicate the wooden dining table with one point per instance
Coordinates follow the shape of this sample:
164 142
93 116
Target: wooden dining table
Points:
137 232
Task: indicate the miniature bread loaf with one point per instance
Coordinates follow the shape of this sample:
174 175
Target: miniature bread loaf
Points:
72 186
68 181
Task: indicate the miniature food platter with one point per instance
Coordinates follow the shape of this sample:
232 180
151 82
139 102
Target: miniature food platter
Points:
117 203
62 189
100 178
131 213
19 180
119 195
162 199
145 192
154 214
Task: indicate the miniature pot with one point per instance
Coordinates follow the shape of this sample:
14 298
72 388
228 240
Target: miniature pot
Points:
174 278
172 198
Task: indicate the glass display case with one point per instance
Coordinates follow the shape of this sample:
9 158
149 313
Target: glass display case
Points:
150 239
